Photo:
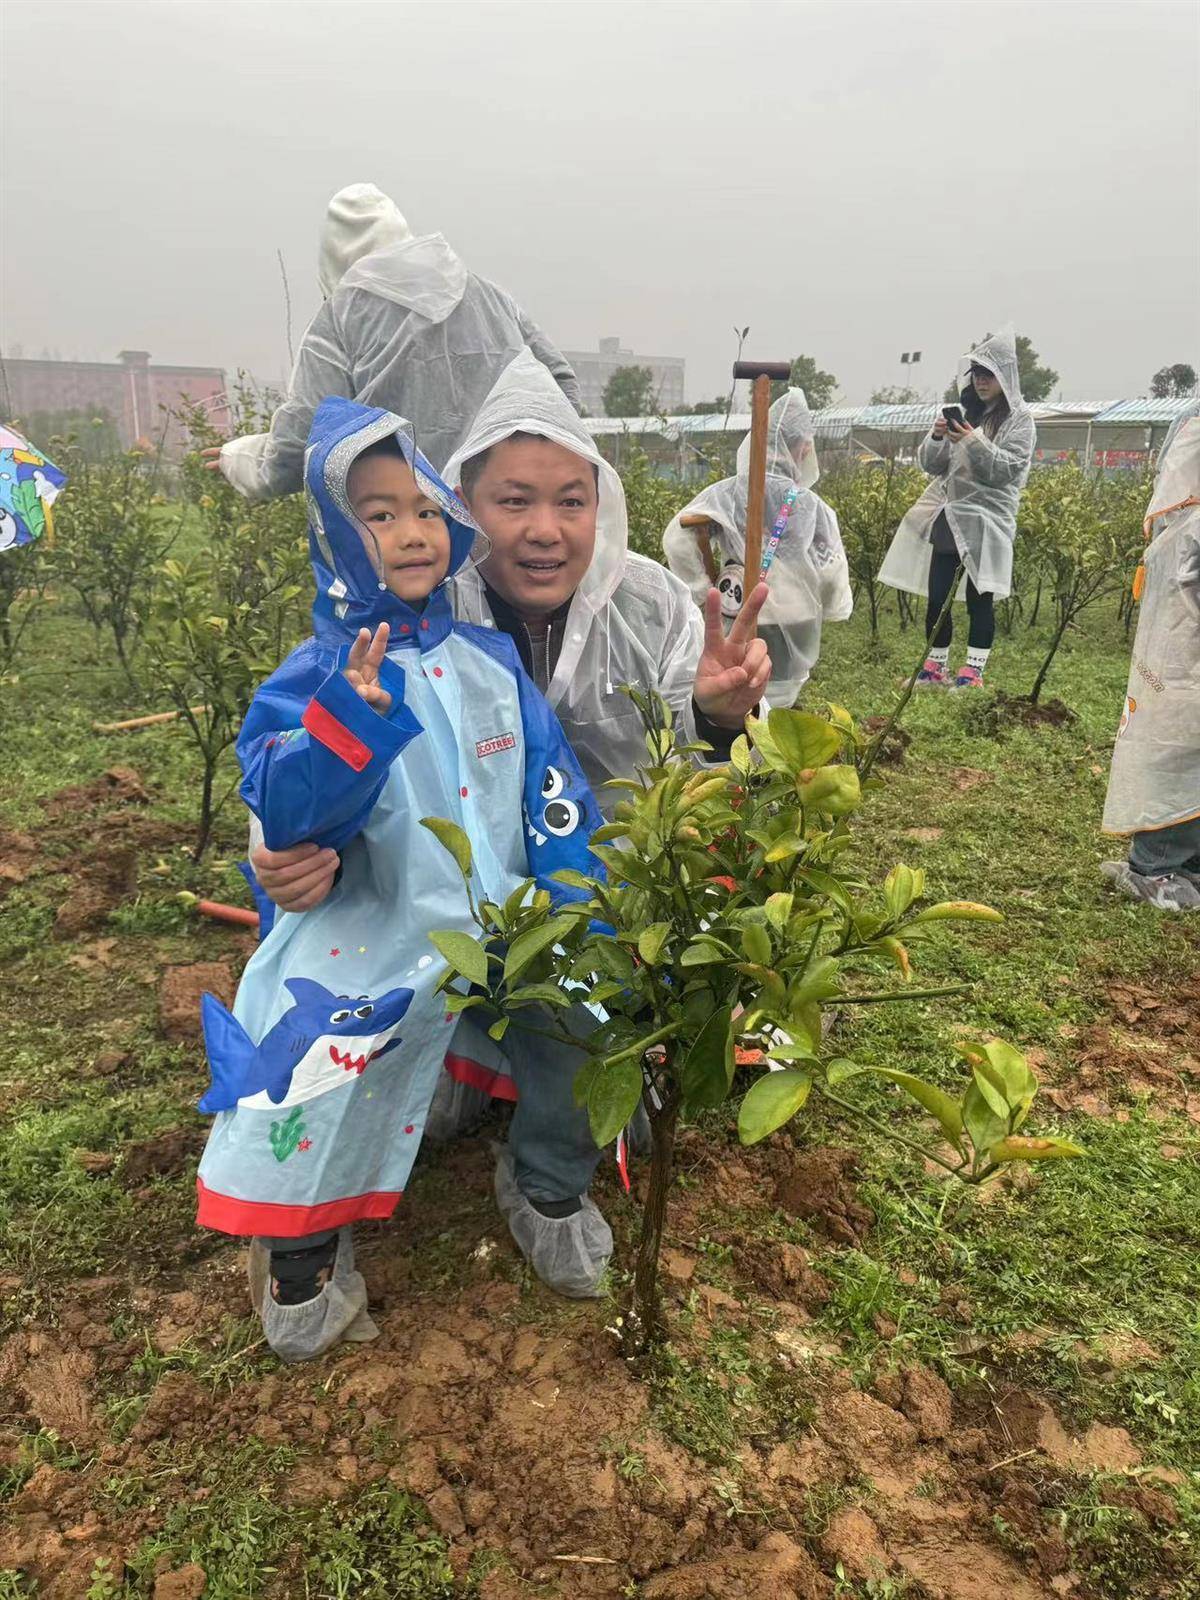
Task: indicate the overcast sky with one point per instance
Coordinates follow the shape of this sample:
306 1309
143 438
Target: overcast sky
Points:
850 179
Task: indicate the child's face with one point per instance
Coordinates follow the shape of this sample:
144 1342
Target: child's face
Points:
413 539
537 503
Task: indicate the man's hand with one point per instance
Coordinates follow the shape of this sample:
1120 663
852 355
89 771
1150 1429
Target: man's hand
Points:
735 669
212 457
362 667
295 879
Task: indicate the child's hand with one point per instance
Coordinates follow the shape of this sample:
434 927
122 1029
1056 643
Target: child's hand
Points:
362 669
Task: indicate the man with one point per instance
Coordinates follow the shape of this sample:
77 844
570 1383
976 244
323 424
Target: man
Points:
1154 785
404 326
587 616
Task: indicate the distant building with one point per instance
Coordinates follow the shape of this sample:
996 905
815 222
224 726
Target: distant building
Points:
129 390
594 368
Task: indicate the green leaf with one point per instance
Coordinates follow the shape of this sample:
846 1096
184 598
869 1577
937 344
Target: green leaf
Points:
651 940
980 1121
771 1101
498 1029
573 879
756 943
739 754
992 1094
941 1106
452 838
463 1002
840 1070
539 994
701 952
1016 1148
1010 1072
803 740
464 954
526 946
779 910
612 1098
791 1052
706 1071
584 1079
789 844
957 911
834 791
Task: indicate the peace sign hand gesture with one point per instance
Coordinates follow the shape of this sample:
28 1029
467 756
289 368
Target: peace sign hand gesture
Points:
362 667
735 668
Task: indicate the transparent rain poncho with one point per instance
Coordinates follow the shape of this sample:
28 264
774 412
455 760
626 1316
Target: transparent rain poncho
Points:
1155 778
630 621
404 326
808 576
976 482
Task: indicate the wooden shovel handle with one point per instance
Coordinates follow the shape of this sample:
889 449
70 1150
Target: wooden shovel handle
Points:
760 405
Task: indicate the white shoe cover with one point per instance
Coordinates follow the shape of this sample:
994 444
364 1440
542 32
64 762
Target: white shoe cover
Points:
569 1254
301 1333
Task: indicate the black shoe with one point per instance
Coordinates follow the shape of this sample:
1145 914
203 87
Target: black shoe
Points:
298 1276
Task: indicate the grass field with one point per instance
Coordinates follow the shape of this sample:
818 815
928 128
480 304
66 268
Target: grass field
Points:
878 1386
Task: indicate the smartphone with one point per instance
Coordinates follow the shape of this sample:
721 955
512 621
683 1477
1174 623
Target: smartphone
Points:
955 415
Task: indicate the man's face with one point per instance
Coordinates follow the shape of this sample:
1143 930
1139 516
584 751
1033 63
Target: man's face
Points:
537 503
413 540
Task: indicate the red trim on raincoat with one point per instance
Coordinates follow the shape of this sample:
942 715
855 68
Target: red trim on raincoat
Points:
225 1214
473 1073
334 735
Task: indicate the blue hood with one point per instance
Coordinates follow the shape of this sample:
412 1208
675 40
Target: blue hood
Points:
350 593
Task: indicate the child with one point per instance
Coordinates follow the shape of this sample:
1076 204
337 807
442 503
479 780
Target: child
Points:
391 713
807 574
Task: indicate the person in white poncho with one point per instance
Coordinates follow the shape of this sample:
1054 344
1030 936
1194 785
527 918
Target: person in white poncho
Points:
1154 785
967 516
805 567
404 326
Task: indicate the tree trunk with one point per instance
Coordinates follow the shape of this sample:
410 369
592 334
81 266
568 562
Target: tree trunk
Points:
644 1322
206 806
1053 651
1037 604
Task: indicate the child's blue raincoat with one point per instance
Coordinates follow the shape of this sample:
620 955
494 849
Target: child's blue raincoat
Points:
324 1072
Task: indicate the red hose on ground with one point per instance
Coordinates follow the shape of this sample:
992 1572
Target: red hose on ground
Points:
224 913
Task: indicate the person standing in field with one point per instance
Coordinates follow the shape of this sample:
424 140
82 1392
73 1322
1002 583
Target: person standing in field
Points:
978 458
804 562
405 326
1154 784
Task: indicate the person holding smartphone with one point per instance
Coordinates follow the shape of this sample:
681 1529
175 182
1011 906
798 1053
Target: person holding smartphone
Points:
978 456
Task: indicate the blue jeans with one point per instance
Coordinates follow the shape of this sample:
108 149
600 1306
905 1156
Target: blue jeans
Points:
1167 849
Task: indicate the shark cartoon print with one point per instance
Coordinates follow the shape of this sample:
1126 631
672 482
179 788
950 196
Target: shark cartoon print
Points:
322 1041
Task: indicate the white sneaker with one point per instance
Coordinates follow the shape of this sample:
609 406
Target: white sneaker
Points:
1169 891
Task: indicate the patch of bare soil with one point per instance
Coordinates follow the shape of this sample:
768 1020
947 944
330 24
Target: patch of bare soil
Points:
820 1188
19 854
894 748
1149 1046
97 886
513 1431
1028 713
118 786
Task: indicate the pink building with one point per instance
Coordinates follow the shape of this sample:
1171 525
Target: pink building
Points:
135 394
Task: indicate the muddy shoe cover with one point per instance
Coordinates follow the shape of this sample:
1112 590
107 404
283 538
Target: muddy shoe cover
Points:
300 1333
569 1254
1169 892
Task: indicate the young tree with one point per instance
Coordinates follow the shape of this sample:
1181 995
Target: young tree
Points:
730 913
223 618
870 501
630 393
112 530
1086 532
1174 383
23 573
